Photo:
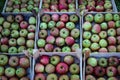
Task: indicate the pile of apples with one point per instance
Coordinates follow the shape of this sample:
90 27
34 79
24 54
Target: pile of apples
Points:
22 5
59 5
58 33
57 68
102 68
101 32
17 33
96 5
14 68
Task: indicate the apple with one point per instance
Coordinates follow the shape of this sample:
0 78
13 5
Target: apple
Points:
50 68
87 26
108 17
40 76
41 50
39 68
4 78
62 68
64 17
99 71
118 39
104 26
86 43
99 18
21 41
6 25
57 49
19 18
30 43
116 17
15 34
87 35
12 50
52 76
43 34
31 36
24 78
60 24
74 18
111 71
74 47
112 48
69 40
99 8
103 43
13 61
92 61
64 77
111 40
111 24
89 69
50 39
102 62
41 43
90 7
2 70
4 40
10 72
70 25
89 18
95 46
111 32
75 77
21 48
4 48
32 20
13 78
20 72
95 38
3 60
112 78
24 62
55 59
54 32
51 24
49 47
6 32
55 17
1 20
44 59
64 33
103 34
69 59
23 24
74 68
23 32
43 25
96 28
107 5
118 31
31 28
66 49
46 18
60 41
90 77
113 61
117 24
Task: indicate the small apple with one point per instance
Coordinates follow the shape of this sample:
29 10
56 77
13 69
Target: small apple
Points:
39 68
41 43
43 34
92 61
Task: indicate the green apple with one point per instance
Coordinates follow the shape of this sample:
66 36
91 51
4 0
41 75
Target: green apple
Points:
16 10
86 43
23 10
30 43
12 50
111 32
30 7
102 62
117 24
41 43
95 38
89 18
20 72
74 68
66 49
94 46
87 35
21 48
10 72
1 20
23 32
43 25
116 17
21 41
108 17
9 9
108 5
70 25
92 61
86 49
15 26
103 43
74 18
55 59
103 34
30 50
104 26
99 18
6 25
32 20
5 32
87 26
74 77
75 33
4 48
14 34
2 70
64 33
51 24
3 60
